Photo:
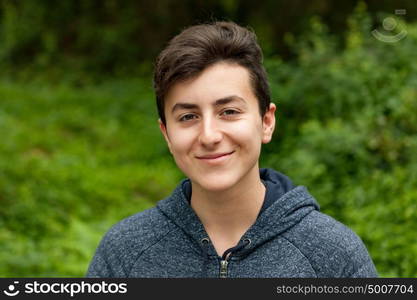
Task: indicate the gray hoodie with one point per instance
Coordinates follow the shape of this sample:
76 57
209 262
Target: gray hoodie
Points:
290 238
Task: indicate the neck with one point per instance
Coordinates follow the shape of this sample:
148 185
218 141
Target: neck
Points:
227 214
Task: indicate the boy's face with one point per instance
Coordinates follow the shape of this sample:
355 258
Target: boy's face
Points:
213 126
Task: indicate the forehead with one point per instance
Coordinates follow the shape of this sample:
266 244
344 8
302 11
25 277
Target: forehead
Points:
215 82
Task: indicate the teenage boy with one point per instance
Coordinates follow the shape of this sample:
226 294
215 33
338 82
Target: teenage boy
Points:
228 218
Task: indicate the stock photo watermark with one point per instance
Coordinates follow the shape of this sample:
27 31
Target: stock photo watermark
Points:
392 30
71 289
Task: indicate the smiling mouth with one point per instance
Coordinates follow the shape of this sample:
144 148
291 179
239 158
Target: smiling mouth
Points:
214 157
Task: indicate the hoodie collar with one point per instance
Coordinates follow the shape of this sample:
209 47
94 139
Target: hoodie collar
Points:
284 213
288 206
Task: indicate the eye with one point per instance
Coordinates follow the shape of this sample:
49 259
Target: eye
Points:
187 117
229 112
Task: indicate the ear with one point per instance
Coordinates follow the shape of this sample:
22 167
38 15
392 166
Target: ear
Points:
268 124
164 131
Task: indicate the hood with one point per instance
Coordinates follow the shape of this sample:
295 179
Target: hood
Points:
289 205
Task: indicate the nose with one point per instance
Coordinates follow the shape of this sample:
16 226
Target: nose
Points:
210 134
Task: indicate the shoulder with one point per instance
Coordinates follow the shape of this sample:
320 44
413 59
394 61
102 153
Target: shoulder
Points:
125 241
143 226
332 248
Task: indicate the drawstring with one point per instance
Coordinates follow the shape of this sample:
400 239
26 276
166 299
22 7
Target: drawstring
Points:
235 248
205 242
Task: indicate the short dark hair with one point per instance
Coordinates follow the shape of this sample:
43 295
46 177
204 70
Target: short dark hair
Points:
199 46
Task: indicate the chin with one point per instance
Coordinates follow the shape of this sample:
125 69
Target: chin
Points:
216 183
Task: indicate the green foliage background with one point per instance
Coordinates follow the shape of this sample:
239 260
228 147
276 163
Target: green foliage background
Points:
78 154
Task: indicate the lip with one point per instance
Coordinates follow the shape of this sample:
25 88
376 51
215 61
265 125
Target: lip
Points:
215 156
215 159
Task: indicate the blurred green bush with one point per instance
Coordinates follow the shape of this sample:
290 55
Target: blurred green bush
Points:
347 129
75 160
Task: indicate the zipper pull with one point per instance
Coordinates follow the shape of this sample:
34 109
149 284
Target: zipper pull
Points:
223 268
224 263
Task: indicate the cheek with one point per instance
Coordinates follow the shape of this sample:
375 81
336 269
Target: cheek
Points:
248 135
181 142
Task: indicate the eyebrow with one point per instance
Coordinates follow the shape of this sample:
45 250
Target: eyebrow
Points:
218 102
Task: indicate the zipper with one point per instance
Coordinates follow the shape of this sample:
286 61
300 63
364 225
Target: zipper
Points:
223 268
226 255
225 262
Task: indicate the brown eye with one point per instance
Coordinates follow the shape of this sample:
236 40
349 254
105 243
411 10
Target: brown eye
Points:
229 112
187 117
